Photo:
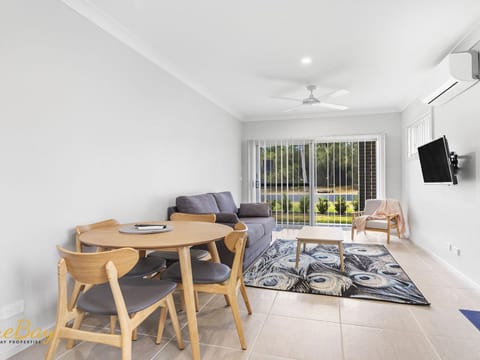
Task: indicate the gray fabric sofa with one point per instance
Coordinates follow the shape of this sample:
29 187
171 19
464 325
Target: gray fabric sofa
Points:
257 217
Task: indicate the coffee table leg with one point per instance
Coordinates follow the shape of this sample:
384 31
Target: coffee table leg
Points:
299 244
340 253
187 282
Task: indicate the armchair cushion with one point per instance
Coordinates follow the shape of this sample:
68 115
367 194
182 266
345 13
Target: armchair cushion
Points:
197 204
377 224
254 210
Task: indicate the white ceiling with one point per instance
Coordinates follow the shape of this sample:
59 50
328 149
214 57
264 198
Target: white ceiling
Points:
240 54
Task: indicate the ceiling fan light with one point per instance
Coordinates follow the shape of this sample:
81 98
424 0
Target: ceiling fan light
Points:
306 60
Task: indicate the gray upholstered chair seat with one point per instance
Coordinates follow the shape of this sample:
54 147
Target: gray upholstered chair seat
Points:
195 254
147 266
138 295
203 272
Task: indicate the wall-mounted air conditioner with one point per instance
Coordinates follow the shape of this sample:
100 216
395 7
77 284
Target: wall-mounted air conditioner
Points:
455 74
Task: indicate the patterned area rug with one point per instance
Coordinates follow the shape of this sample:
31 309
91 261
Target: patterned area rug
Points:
371 272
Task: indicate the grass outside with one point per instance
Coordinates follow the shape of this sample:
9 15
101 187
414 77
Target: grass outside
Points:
305 218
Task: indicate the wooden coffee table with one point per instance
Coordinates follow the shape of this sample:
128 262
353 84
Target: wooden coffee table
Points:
321 235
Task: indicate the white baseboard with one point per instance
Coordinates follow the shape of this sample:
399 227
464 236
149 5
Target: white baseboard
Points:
448 265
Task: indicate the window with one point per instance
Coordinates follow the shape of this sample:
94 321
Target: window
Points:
419 133
316 181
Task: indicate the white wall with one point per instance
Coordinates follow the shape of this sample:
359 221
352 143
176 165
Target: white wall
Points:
90 130
388 124
441 214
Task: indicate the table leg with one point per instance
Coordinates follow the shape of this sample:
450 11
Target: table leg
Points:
340 253
187 282
299 244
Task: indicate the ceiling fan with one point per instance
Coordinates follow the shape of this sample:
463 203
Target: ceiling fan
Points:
312 100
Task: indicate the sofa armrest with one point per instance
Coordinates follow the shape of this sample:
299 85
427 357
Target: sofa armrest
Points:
226 218
254 210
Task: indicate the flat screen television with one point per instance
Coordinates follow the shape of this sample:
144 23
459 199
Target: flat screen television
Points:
435 162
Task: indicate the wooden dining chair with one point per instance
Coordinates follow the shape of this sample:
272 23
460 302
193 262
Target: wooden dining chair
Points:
216 278
132 300
195 254
145 266
171 256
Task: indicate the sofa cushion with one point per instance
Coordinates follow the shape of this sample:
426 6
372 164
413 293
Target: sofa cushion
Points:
268 223
226 218
197 204
253 210
225 202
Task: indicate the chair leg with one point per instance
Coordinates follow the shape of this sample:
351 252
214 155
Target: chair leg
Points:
76 325
175 324
236 316
113 324
227 300
182 306
197 306
243 290
126 341
52 348
161 324
77 289
353 232
388 231
134 333
182 301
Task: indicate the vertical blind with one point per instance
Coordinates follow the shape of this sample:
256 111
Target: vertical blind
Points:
314 182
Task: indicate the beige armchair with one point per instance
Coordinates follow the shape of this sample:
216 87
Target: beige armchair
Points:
376 221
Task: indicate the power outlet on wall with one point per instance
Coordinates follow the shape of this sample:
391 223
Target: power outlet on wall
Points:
456 251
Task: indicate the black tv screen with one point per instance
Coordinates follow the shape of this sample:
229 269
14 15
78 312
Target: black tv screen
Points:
435 162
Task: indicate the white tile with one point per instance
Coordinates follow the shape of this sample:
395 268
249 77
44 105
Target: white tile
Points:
299 339
445 321
364 343
207 352
378 314
307 306
454 349
217 327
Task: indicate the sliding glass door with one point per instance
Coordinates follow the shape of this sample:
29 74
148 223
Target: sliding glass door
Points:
316 181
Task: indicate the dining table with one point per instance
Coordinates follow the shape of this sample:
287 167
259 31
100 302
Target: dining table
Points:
179 236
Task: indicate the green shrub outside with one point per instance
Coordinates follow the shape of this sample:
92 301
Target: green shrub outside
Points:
322 205
340 205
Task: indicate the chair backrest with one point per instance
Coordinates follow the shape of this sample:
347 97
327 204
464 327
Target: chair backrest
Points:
235 242
90 268
371 205
80 229
193 217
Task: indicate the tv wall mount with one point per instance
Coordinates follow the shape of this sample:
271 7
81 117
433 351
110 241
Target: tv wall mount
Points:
454 161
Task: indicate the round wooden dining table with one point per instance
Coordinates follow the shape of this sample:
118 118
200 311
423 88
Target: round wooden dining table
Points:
182 236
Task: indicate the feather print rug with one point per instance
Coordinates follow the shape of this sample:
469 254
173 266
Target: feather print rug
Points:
371 272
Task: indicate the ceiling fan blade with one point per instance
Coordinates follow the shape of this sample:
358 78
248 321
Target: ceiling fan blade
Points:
294 108
286 98
332 106
335 94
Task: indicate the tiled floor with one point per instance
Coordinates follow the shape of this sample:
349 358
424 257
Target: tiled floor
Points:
297 326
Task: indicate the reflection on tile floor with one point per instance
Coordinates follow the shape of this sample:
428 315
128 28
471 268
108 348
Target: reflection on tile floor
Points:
297 326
